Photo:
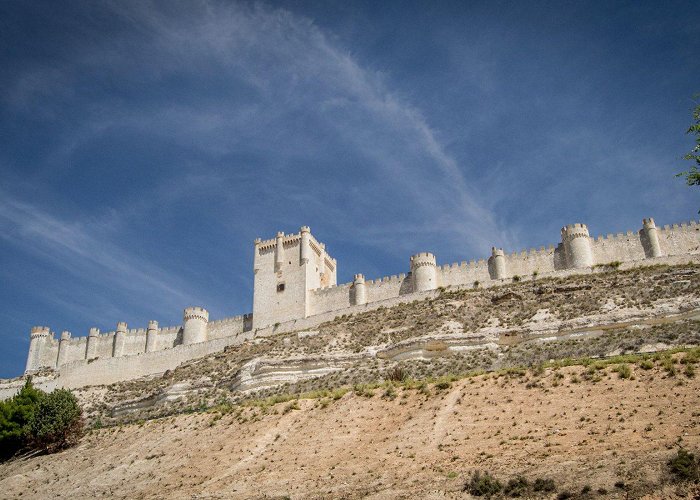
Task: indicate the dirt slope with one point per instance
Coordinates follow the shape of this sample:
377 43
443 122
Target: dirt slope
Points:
411 444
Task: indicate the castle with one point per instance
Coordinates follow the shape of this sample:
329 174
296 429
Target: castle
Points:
295 288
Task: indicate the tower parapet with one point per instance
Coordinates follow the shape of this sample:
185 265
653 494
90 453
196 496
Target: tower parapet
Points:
151 336
360 290
497 263
577 246
194 328
119 340
650 238
424 272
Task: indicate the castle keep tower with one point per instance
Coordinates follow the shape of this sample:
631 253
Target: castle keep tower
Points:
194 329
577 246
424 272
286 269
650 238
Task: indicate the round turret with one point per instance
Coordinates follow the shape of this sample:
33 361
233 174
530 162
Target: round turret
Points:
577 246
498 263
279 251
650 240
38 336
305 252
119 340
151 336
63 349
91 345
360 289
424 272
195 325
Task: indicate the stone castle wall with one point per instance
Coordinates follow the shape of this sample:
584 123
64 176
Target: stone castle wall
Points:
302 265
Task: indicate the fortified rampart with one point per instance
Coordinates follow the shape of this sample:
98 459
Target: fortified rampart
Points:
295 288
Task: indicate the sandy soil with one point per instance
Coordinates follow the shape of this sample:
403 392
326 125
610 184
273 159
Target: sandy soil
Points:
415 446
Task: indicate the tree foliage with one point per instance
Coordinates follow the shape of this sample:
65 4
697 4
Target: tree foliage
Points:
35 420
57 422
692 176
15 415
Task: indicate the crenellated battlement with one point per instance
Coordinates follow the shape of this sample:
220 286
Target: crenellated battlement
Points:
573 231
40 332
295 284
196 312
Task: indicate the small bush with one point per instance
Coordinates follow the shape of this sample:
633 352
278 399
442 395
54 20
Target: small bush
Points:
517 487
685 466
646 364
624 370
396 374
57 422
483 485
545 485
442 385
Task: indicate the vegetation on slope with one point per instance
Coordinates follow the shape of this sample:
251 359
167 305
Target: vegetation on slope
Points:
35 420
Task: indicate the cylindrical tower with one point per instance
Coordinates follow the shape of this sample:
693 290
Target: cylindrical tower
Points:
577 246
498 263
424 272
152 336
91 346
62 349
37 343
195 325
279 251
360 288
305 244
651 238
119 340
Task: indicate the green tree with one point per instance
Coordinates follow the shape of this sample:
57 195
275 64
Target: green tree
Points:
692 176
15 415
57 422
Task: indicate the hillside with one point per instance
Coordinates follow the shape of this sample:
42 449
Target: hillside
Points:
521 324
580 427
588 381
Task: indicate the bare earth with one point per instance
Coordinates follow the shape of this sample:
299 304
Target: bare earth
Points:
573 431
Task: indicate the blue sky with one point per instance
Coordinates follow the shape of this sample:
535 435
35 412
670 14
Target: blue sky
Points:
144 146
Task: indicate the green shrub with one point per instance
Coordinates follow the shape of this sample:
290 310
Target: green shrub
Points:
624 371
57 421
646 364
396 374
685 466
483 485
517 487
546 485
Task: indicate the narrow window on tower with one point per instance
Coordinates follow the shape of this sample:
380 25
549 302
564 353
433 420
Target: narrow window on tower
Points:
280 287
